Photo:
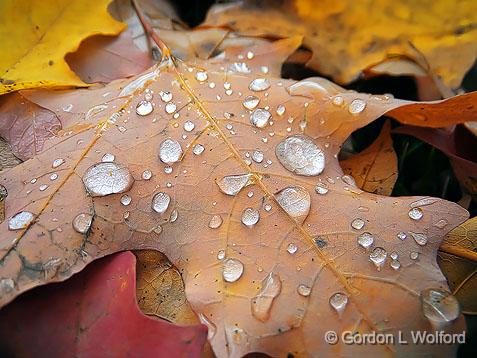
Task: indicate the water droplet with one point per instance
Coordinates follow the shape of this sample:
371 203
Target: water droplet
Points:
395 264
259 84
281 110
321 189
33 181
292 248
338 101
201 76
20 220
339 301
259 117
82 223
303 290
257 156
401 235
423 202
160 202
232 184
144 108
441 223
414 255
165 96
147 174
6 285
189 126
394 255
215 222
240 67
125 200
221 255
170 108
356 106
421 239
198 149
378 257
250 217
267 207
295 200
250 194
68 108
232 270
43 187
174 215
250 102
357 224
107 178
262 303
348 179
415 213
439 306
57 162
365 240
299 154
170 151
108 158
168 170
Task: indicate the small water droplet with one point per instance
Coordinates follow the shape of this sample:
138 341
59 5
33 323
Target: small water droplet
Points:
33 181
303 290
198 149
232 270
348 179
395 264
170 151
108 158
107 178
82 223
221 255
292 248
357 224
378 257
321 188
295 200
160 202
170 108
299 154
365 240
262 303
357 106
414 255
232 184
260 117
144 108
168 170
401 235
259 84
415 213
174 215
250 102
20 220
419 238
250 194
165 96
394 255
338 101
189 126
441 223
43 187
267 207
147 174
57 162
240 67
215 222
250 217
125 200
6 285
201 76
53 176
281 110
257 156
439 306
339 301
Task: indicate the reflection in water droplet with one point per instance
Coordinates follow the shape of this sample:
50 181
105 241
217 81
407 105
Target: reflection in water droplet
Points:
160 202
211 328
295 200
198 149
420 238
125 200
107 178
339 301
20 220
108 158
144 108
303 290
250 102
232 184
232 270
240 67
250 217
365 240
357 224
357 106
378 257
259 117
170 151
416 213
147 174
292 248
259 84
262 303
439 306
299 154
215 222
321 189
82 222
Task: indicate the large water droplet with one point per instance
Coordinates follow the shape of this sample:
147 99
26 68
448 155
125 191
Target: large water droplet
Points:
144 108
299 154
262 303
295 200
82 222
420 238
339 301
107 178
356 106
378 257
232 184
250 102
415 213
259 84
215 222
250 217
259 117
170 151
439 306
232 270
20 220
365 240
160 202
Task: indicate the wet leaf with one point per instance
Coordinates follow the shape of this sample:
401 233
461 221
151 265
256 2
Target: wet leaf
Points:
235 178
72 318
375 168
458 260
35 39
348 36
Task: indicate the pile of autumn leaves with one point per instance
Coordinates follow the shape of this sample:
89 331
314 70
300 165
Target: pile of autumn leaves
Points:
85 45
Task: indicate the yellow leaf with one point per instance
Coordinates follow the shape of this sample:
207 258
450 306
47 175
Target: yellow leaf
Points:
36 35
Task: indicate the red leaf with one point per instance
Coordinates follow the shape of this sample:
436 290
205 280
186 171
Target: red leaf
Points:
94 314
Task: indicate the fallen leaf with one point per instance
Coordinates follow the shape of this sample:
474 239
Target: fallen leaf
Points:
164 164
375 168
94 314
347 37
160 289
457 258
35 43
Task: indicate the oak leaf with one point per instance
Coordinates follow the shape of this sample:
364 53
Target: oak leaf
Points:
235 178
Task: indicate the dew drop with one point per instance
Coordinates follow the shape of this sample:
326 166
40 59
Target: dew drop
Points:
198 149
232 184
250 217
365 240
257 156
170 151
125 200
82 223
232 270
170 108
356 106
339 301
107 178
299 154
292 248
108 158
439 306
201 76
189 126
215 222
419 238
160 202
295 200
378 257
20 220
250 102
259 84
357 224
147 174
415 213
144 108
262 303
259 117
